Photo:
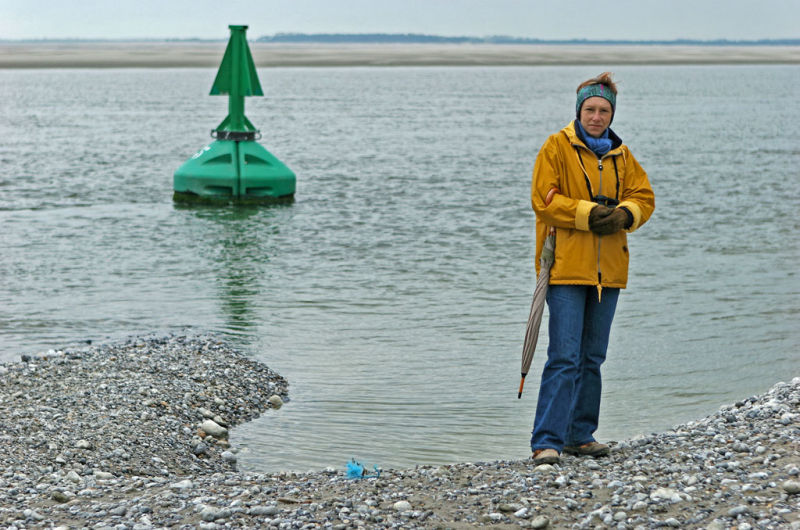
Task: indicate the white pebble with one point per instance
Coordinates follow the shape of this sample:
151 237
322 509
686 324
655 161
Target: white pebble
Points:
402 506
214 429
182 485
276 401
792 487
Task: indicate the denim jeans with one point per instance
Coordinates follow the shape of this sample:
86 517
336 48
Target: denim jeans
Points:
569 395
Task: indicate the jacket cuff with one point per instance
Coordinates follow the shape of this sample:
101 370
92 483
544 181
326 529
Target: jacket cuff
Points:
629 222
582 214
634 210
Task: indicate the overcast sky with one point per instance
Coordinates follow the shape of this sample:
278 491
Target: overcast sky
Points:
545 19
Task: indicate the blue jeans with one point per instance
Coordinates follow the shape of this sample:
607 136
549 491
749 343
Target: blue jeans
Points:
569 396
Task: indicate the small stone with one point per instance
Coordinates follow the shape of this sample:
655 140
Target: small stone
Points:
540 522
522 513
276 401
620 516
402 506
103 475
210 514
740 447
288 500
214 429
672 522
73 476
666 494
205 413
738 510
264 510
229 457
200 449
182 485
62 496
716 524
544 468
792 487
83 444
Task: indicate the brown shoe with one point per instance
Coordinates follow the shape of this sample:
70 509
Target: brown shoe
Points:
545 456
594 449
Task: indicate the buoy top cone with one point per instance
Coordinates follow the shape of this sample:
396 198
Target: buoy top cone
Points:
237 78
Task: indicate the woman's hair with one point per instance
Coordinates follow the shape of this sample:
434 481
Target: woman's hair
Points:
602 79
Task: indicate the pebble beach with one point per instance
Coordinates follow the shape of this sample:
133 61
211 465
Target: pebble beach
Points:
135 435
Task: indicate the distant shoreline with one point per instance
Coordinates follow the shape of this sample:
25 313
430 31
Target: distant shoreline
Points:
169 54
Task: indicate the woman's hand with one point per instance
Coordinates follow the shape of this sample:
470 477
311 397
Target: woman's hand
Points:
604 221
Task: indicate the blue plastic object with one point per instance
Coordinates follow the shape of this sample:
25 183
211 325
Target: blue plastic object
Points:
357 471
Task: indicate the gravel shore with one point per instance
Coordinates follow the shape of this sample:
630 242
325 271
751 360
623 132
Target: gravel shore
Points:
133 435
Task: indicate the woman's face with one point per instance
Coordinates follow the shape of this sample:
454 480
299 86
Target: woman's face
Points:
596 115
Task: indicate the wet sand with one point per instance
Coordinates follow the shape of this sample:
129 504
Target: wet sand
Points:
208 54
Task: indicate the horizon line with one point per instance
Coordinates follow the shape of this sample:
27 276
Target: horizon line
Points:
419 38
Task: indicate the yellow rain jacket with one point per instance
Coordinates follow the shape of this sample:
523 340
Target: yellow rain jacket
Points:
568 165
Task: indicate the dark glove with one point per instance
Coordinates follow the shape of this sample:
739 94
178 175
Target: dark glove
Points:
604 223
597 213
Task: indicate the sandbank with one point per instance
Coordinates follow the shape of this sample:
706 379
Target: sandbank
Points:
152 54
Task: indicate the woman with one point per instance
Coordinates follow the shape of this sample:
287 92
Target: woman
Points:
589 187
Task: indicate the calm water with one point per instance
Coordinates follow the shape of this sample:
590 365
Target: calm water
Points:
393 293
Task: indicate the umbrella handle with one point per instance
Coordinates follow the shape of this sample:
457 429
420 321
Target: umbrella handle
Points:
547 200
550 194
521 384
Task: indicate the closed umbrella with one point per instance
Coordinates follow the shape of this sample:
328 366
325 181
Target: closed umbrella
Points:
537 306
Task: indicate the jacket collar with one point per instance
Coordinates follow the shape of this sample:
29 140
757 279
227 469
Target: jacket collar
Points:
575 139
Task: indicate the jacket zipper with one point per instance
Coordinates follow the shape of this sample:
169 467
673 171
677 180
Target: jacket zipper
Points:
599 237
599 192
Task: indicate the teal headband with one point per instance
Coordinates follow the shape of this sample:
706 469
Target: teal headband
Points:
595 90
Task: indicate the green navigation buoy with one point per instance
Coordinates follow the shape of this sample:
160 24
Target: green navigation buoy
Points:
234 167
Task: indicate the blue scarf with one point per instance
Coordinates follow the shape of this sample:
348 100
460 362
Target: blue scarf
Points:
599 146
